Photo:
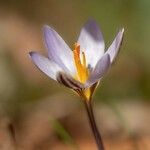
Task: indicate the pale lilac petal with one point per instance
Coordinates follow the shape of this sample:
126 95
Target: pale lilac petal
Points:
91 42
50 68
99 71
114 47
58 50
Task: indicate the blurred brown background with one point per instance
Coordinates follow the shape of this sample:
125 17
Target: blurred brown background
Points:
38 114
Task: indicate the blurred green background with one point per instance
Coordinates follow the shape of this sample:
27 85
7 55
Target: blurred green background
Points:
20 31
21 23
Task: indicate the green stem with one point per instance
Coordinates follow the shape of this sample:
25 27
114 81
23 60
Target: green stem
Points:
93 125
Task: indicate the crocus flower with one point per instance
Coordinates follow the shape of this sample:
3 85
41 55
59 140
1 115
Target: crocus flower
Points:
82 68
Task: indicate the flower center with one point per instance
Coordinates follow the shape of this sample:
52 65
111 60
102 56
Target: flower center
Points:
80 63
82 71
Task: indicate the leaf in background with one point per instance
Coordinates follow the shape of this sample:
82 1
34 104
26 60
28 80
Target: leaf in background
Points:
64 135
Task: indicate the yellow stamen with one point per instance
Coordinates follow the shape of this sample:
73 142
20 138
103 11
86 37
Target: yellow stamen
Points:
84 59
84 65
82 71
77 60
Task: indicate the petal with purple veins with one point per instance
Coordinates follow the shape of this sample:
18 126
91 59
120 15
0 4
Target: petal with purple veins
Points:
91 42
69 81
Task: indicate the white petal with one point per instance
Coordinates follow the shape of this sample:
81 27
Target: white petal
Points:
58 50
91 42
100 70
50 68
114 47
